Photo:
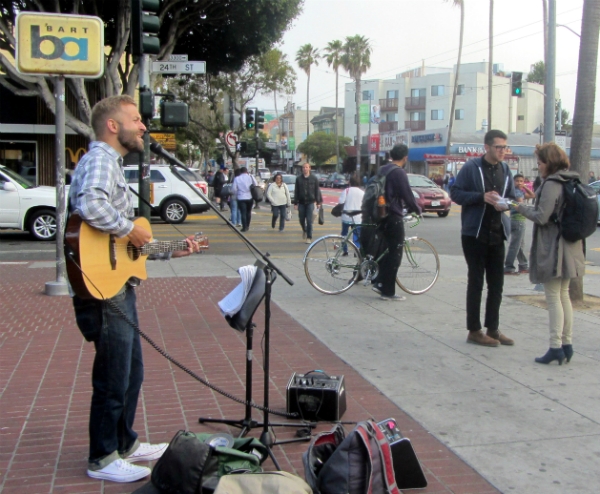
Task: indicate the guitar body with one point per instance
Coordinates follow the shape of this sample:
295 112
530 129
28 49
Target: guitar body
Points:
99 264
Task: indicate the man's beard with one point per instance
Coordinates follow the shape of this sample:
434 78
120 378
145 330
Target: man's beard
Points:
129 140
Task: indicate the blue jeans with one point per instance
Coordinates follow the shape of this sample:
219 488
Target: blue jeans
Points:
355 234
245 206
305 215
117 374
516 246
236 217
278 212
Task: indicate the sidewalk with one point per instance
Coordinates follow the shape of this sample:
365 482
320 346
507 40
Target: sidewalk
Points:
475 415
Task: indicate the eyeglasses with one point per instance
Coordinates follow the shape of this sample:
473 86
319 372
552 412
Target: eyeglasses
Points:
500 148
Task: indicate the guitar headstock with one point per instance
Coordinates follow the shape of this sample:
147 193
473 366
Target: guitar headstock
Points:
202 241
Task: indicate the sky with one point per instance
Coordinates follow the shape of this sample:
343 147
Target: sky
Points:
404 33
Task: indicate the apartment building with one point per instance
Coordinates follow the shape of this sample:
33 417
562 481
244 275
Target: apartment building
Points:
420 100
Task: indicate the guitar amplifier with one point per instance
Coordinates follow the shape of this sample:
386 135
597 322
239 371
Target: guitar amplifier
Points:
316 396
407 469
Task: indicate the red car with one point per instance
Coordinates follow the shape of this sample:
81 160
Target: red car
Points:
430 197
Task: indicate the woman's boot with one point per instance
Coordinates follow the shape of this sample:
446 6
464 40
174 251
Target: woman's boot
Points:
551 355
568 349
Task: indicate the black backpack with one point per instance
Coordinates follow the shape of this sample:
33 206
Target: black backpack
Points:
375 189
579 215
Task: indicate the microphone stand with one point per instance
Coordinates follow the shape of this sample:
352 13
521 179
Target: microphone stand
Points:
269 269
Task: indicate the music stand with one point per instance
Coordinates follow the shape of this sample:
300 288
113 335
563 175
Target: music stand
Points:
270 271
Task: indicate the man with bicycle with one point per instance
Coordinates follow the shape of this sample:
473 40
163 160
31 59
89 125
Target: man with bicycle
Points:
398 196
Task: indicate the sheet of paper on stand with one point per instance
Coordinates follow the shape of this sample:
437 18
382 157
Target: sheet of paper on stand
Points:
233 302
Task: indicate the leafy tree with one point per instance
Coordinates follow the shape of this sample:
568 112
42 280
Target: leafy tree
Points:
278 74
321 146
216 31
585 97
537 73
356 59
306 57
461 4
333 56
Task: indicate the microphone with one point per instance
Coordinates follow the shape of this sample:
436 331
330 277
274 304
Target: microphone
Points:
157 149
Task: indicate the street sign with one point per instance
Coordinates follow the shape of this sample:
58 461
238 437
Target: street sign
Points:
230 139
270 145
165 139
179 67
560 138
178 58
60 44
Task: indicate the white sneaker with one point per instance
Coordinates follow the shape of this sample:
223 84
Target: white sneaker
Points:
393 298
120 471
147 452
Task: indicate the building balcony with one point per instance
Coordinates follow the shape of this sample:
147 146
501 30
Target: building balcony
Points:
414 124
389 104
414 103
388 126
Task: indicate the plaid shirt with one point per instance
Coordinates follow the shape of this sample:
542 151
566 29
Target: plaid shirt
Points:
99 191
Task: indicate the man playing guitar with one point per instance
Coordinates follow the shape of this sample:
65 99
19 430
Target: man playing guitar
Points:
100 195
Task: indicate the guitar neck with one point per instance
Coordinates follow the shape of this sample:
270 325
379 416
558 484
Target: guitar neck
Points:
164 246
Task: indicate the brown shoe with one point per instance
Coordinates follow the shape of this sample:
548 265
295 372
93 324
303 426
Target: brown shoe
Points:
497 335
478 338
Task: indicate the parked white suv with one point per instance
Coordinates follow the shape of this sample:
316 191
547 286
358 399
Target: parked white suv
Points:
173 200
24 206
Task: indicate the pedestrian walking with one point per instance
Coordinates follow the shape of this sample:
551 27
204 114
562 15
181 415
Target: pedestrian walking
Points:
481 188
307 194
518 226
279 198
236 217
241 191
554 260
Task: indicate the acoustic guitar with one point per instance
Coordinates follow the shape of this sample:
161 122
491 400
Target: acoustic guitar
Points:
99 264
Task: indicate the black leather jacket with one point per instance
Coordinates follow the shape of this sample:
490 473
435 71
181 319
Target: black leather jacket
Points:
307 190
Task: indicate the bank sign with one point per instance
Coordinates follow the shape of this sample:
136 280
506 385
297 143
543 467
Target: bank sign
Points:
56 44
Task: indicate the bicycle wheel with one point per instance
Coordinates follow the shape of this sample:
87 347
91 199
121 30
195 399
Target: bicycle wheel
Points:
420 266
327 269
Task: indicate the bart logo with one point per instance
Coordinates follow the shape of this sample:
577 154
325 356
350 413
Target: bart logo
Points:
59 46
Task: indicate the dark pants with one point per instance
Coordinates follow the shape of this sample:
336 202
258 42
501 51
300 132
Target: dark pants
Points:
245 207
117 373
393 236
488 260
279 212
305 215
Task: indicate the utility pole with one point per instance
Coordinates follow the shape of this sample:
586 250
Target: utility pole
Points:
491 65
549 86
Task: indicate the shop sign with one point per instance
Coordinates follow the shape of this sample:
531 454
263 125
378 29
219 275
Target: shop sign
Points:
387 140
426 138
374 144
165 139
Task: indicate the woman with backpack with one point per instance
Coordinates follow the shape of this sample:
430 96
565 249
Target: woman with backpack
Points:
279 198
554 261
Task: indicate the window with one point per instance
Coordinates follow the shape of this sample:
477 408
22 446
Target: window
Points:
157 177
460 90
520 117
437 90
417 116
392 94
415 93
368 95
437 114
459 114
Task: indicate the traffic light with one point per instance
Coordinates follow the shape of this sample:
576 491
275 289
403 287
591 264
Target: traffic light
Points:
250 119
145 26
260 119
516 82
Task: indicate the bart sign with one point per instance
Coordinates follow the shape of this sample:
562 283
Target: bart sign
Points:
57 44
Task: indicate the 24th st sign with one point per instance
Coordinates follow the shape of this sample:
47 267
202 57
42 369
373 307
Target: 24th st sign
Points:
52 44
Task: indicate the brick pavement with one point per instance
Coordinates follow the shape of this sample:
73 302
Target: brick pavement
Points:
45 385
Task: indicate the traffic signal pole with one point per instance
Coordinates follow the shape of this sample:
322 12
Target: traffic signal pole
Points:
549 85
144 163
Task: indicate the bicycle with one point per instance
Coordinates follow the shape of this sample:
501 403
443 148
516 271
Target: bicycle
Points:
331 271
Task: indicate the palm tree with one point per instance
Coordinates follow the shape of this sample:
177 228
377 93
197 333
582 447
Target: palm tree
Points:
461 4
585 98
306 56
356 59
333 56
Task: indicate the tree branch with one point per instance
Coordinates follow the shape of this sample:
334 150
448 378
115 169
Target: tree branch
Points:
15 90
